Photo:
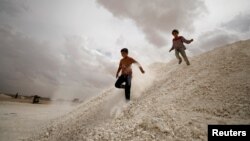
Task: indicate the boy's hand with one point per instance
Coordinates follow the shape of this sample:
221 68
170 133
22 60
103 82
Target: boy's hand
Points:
141 69
192 40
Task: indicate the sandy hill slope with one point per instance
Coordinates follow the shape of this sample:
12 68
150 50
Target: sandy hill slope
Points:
178 105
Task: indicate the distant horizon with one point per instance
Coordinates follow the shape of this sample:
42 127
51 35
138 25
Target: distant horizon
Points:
62 98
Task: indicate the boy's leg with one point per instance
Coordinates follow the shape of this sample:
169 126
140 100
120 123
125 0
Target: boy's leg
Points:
178 56
120 80
128 87
183 54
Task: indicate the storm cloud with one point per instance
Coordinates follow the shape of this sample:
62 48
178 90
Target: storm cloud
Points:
13 7
240 23
156 18
237 28
212 39
71 49
32 67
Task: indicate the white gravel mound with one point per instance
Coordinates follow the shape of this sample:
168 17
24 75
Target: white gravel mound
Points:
178 105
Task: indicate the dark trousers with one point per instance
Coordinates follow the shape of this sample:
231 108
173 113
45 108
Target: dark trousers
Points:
127 86
183 54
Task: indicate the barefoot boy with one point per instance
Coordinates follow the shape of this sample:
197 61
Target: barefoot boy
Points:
179 47
126 75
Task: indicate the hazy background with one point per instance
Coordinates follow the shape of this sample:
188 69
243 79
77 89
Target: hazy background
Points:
71 49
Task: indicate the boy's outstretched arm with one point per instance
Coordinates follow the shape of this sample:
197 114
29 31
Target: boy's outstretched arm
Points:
140 67
187 41
118 70
172 48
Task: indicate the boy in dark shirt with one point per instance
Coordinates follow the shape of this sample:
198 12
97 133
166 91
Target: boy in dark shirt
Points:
179 47
126 75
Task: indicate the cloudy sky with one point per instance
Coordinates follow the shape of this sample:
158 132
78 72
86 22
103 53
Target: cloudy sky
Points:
62 48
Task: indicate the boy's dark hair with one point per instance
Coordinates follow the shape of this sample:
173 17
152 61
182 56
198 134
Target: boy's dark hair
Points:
175 31
124 50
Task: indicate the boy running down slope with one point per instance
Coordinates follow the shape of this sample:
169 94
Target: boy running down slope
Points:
179 47
126 75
